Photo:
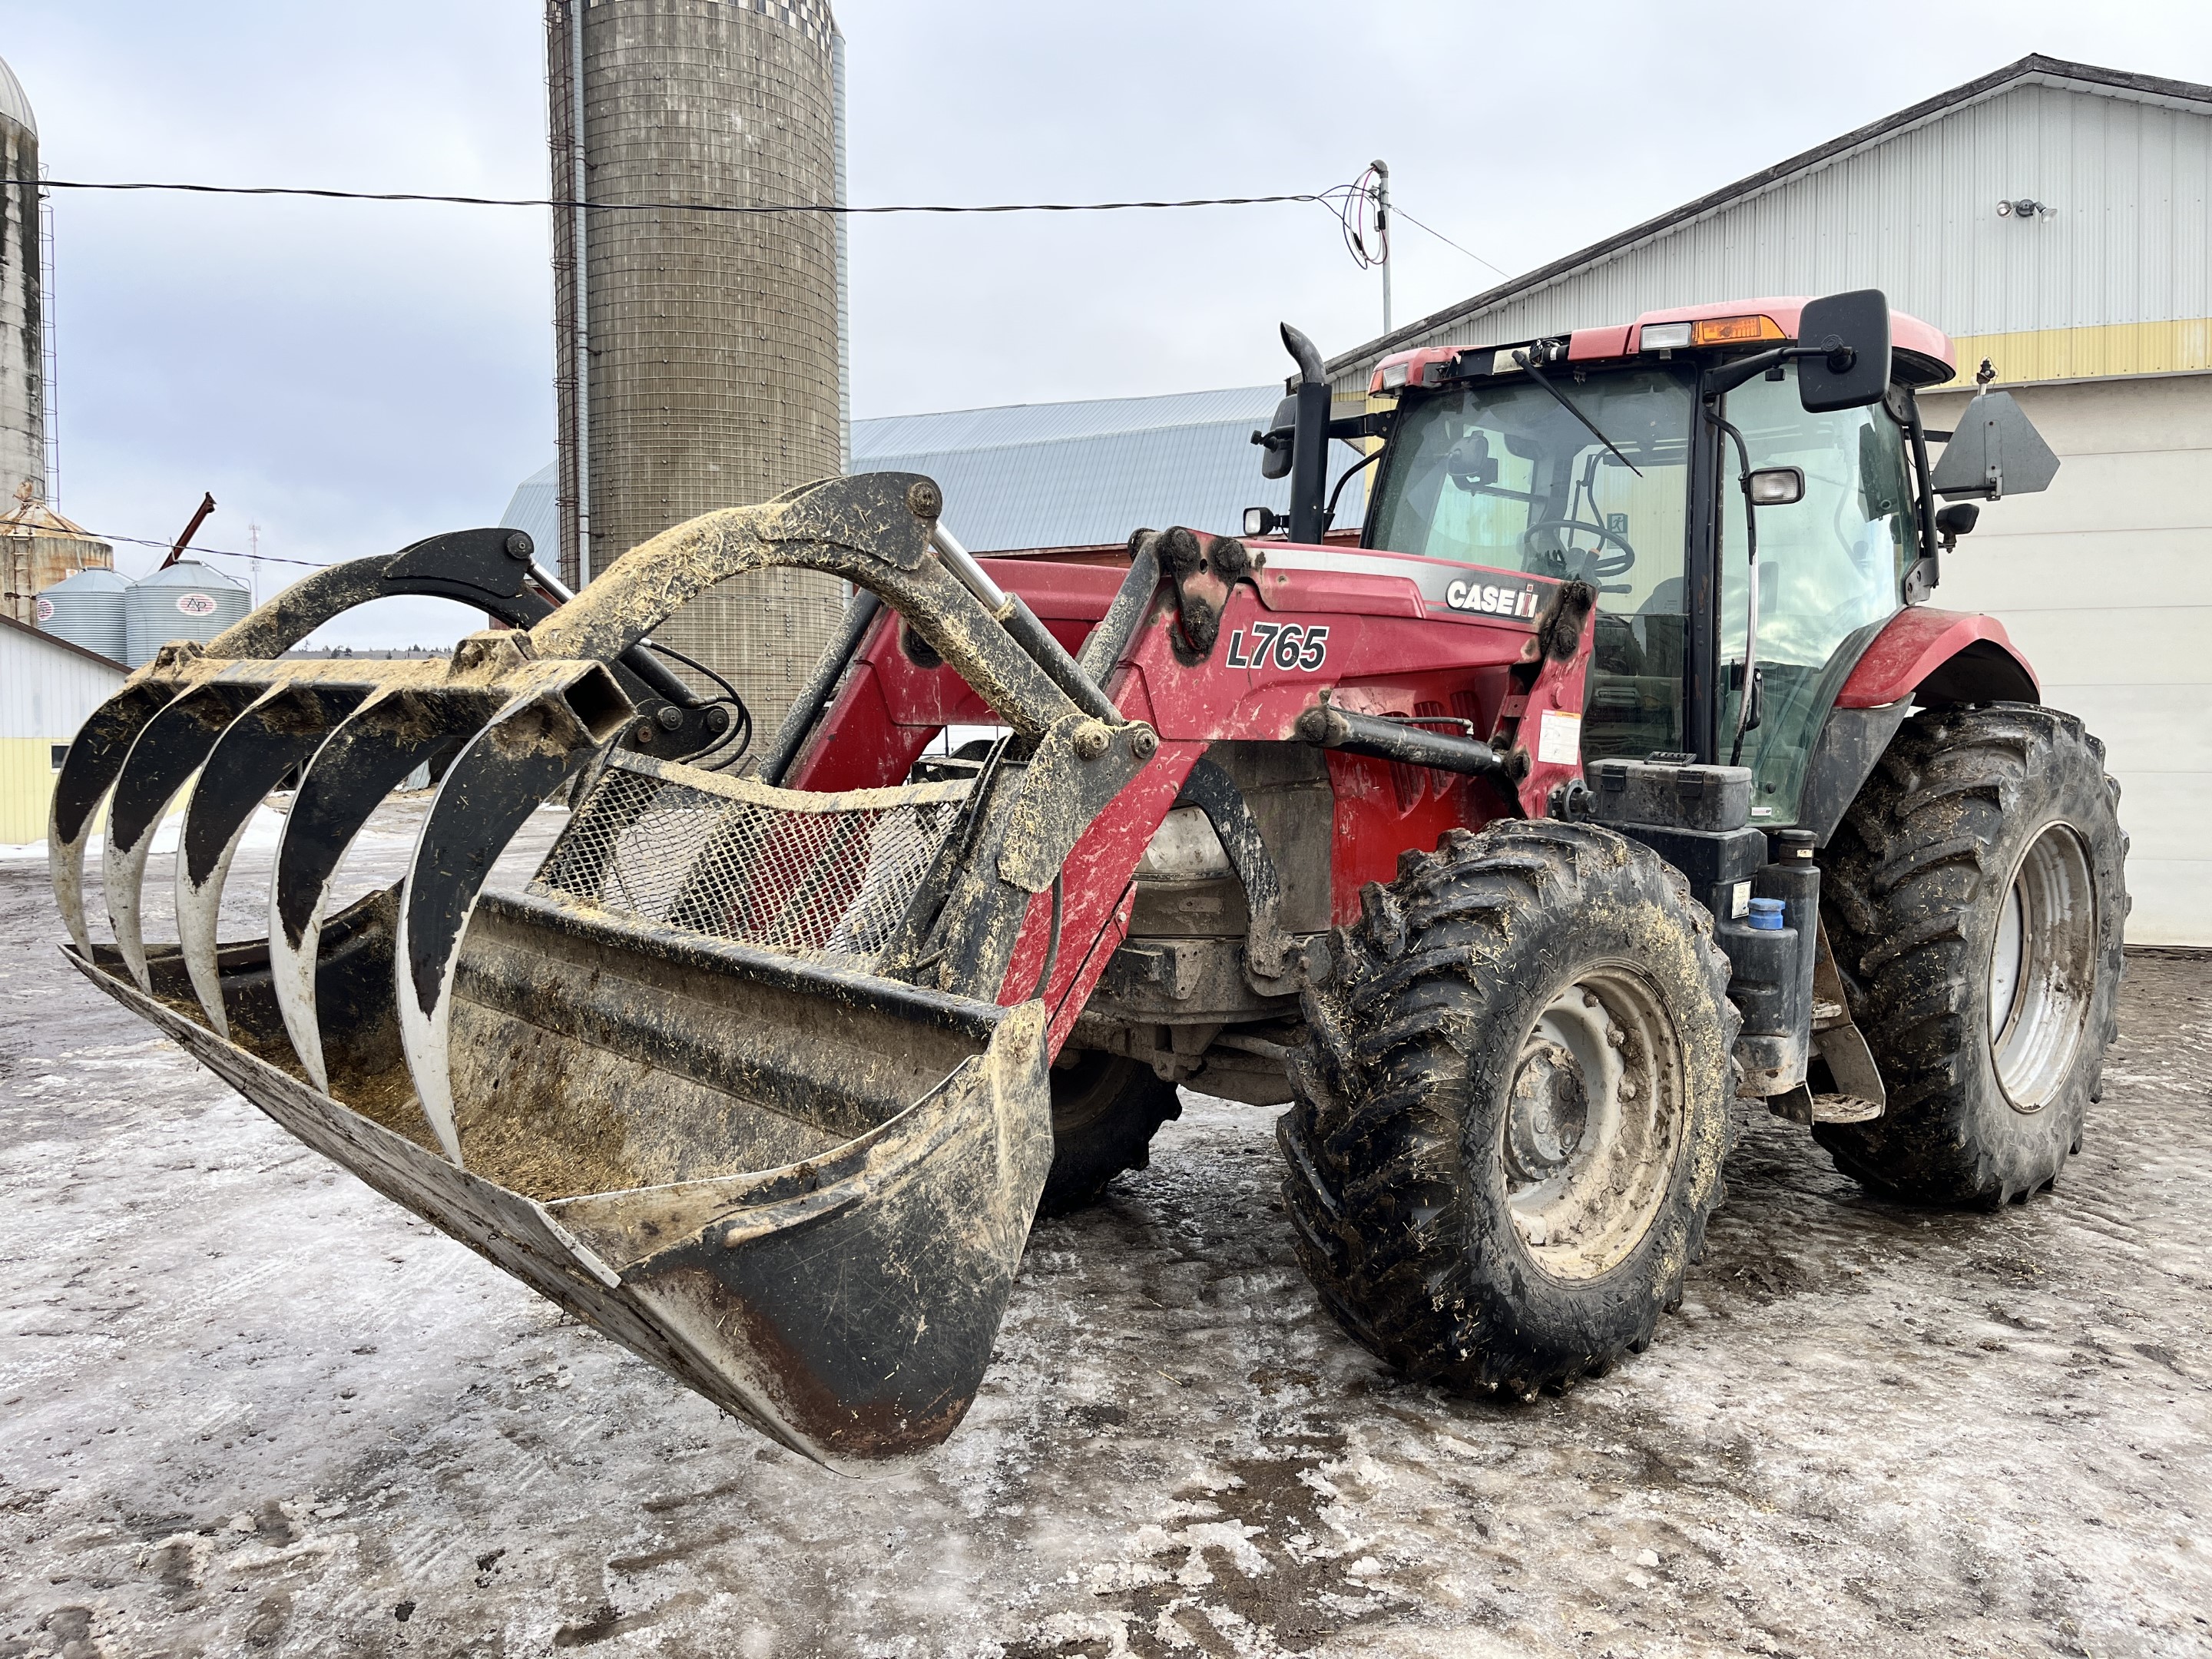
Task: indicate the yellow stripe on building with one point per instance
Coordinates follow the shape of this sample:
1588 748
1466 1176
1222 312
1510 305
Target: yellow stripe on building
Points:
26 787
2079 354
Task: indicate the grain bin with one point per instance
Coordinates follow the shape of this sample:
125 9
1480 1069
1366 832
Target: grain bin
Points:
187 600
698 361
88 609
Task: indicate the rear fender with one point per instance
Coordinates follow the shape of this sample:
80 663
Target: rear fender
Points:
1944 656
1921 658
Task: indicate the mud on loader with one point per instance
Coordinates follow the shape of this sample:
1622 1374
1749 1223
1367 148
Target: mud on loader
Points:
1620 775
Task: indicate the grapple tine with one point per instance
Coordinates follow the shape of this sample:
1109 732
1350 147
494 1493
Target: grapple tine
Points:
166 753
88 771
280 731
378 745
493 786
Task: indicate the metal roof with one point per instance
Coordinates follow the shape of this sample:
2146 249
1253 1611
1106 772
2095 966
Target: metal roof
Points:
70 646
33 516
1029 423
14 102
1059 475
2033 70
534 508
1088 473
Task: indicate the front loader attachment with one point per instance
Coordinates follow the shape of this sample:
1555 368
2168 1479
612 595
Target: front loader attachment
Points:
804 1198
731 1080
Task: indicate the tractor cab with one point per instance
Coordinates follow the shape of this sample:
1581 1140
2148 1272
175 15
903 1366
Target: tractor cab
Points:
1664 461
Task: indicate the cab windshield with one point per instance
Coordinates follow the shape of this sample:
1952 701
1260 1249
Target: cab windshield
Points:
1500 475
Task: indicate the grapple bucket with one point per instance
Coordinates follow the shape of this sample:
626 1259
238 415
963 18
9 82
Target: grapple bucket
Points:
728 1080
802 1190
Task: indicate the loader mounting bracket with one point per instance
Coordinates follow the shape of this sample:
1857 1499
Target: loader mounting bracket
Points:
1205 570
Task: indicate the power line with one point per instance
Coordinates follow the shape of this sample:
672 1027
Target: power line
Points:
220 552
682 207
1447 241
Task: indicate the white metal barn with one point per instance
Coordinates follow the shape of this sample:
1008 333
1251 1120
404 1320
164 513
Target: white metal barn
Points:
48 688
2050 217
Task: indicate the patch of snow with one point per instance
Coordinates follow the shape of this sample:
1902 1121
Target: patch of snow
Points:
262 832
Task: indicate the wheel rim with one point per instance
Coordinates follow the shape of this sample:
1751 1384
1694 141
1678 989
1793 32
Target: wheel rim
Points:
1592 1124
1085 1090
2043 968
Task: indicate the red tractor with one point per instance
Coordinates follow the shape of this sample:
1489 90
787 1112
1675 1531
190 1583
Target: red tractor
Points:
1619 776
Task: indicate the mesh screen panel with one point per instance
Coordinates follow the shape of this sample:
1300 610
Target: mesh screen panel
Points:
826 875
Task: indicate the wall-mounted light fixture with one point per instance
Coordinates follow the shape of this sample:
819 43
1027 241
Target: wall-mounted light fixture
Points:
2026 208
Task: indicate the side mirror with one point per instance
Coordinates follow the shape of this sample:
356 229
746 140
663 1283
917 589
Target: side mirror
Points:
1275 441
1955 520
1995 451
1853 331
1470 465
1778 486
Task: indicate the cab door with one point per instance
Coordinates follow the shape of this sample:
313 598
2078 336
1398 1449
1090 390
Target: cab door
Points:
1831 572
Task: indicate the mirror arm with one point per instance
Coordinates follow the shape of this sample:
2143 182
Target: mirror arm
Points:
1728 376
1376 424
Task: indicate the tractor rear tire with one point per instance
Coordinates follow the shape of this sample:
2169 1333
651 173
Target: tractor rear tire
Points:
1510 1119
1975 898
1105 1111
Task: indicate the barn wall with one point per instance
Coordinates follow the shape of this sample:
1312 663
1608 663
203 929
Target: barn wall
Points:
2104 581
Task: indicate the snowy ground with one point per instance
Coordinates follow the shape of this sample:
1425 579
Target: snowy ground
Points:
246 1407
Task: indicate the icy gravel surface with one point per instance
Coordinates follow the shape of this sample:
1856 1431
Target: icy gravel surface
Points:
248 1407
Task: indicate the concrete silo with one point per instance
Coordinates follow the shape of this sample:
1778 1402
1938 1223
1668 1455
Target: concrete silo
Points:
698 359
22 310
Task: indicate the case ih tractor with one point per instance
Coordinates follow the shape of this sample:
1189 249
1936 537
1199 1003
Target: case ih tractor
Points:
1621 779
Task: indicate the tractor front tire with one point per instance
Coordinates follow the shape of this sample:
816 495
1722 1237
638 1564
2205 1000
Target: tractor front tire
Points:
1105 1111
1975 898
1510 1118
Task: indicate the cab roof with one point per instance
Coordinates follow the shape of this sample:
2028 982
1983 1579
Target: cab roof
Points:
1921 354
1908 337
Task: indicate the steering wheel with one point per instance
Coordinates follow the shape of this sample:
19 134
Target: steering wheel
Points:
1617 564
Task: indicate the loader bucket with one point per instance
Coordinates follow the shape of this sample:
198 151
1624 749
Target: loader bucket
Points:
801 1191
727 1081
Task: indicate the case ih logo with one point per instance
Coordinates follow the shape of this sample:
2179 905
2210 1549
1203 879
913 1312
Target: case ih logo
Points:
1506 600
196 604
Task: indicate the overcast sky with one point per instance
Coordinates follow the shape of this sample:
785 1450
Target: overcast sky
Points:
350 377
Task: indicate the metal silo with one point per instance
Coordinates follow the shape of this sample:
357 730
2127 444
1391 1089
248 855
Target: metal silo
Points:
40 548
698 353
186 600
88 609
22 318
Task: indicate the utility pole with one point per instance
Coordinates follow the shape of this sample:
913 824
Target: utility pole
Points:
1381 194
